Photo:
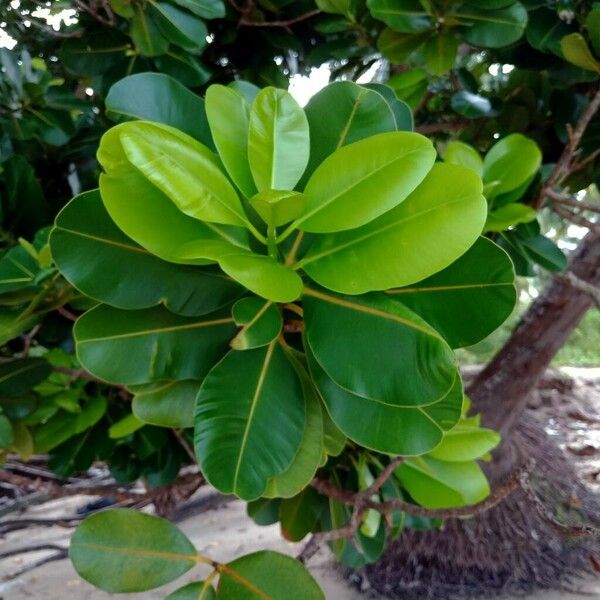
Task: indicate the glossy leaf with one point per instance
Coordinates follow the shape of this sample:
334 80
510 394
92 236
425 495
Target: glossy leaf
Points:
6 432
278 207
135 347
342 113
465 442
468 299
207 9
397 47
124 427
576 51
19 376
197 590
228 115
510 214
471 105
300 515
146 34
384 426
404 16
127 551
85 240
250 418
437 484
278 140
435 225
363 180
166 403
440 52
401 110
141 96
345 331
179 26
459 153
493 28
260 322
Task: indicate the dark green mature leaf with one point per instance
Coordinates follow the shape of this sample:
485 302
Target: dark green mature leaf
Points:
179 26
166 403
142 96
183 66
127 551
198 590
278 140
207 9
18 270
342 113
404 16
384 426
264 575
346 331
397 47
347 191
471 105
402 113
6 433
135 347
437 484
19 376
468 299
146 35
94 53
544 30
249 420
435 225
492 28
300 515
440 52
260 322
85 240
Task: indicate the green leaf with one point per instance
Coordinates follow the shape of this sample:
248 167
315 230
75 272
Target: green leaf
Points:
18 270
437 484
141 96
300 515
468 299
576 51
435 225
510 163
397 47
306 462
402 113
510 214
179 26
146 35
6 432
266 574
543 251
184 67
440 52
184 170
260 322
545 30
263 275
465 442
277 207
342 113
459 153
471 105
94 53
85 240
492 28
250 418
166 403
197 590
404 16
135 347
347 191
592 25
207 9
410 86
345 331
228 114
384 426
148 216
124 427
278 140
19 376
338 7
124 550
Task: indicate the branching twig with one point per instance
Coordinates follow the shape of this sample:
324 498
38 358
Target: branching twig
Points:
582 286
558 198
285 24
576 218
429 128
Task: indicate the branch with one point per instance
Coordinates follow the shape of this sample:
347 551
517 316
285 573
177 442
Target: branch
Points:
582 286
286 24
576 218
27 549
430 128
563 199
564 165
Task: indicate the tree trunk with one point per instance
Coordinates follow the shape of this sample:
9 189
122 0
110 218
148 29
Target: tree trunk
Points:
501 389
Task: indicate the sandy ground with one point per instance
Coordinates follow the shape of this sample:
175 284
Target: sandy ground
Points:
225 532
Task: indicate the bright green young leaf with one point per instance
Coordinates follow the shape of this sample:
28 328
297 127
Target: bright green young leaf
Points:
465 442
278 140
142 96
510 214
437 484
440 52
277 207
228 114
260 322
435 225
197 590
250 418
468 299
124 427
492 28
184 170
127 551
363 180
509 163
342 113
166 403
345 331
85 240
266 574
404 16
459 153
576 51
19 376
384 426
135 347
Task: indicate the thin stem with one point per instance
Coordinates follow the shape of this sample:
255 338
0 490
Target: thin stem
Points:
295 247
272 241
257 234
